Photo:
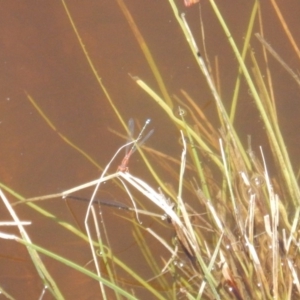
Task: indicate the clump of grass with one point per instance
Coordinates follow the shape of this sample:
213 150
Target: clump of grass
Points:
253 251
253 246
240 240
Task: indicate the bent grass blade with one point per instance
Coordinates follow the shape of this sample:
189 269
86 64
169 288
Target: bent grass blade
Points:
36 259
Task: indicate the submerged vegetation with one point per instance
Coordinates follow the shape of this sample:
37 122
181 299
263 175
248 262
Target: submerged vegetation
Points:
240 240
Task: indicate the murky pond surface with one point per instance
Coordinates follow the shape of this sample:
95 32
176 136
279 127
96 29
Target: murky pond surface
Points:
41 56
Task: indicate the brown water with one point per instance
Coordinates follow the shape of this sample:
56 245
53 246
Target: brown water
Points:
41 55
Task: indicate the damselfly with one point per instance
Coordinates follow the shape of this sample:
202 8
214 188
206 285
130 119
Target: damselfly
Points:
123 167
110 203
116 205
